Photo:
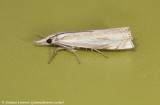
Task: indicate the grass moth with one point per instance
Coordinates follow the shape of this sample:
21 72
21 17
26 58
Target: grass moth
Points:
96 40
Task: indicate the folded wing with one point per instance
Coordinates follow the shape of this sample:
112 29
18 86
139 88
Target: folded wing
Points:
117 38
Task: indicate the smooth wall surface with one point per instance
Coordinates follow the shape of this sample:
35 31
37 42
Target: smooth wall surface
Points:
130 77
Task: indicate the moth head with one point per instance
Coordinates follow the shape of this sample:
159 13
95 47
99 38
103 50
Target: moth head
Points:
45 41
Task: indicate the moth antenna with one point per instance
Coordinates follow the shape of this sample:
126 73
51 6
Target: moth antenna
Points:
40 37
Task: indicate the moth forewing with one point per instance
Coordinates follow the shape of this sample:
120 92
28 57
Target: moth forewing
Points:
111 39
107 39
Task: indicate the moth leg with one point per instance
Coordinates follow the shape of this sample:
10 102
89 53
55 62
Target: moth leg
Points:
100 53
73 51
54 53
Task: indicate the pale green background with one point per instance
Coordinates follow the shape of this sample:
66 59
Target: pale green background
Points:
129 77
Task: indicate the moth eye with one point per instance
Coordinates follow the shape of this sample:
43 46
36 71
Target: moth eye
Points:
49 41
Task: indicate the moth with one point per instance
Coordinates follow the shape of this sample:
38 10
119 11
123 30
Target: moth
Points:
96 40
